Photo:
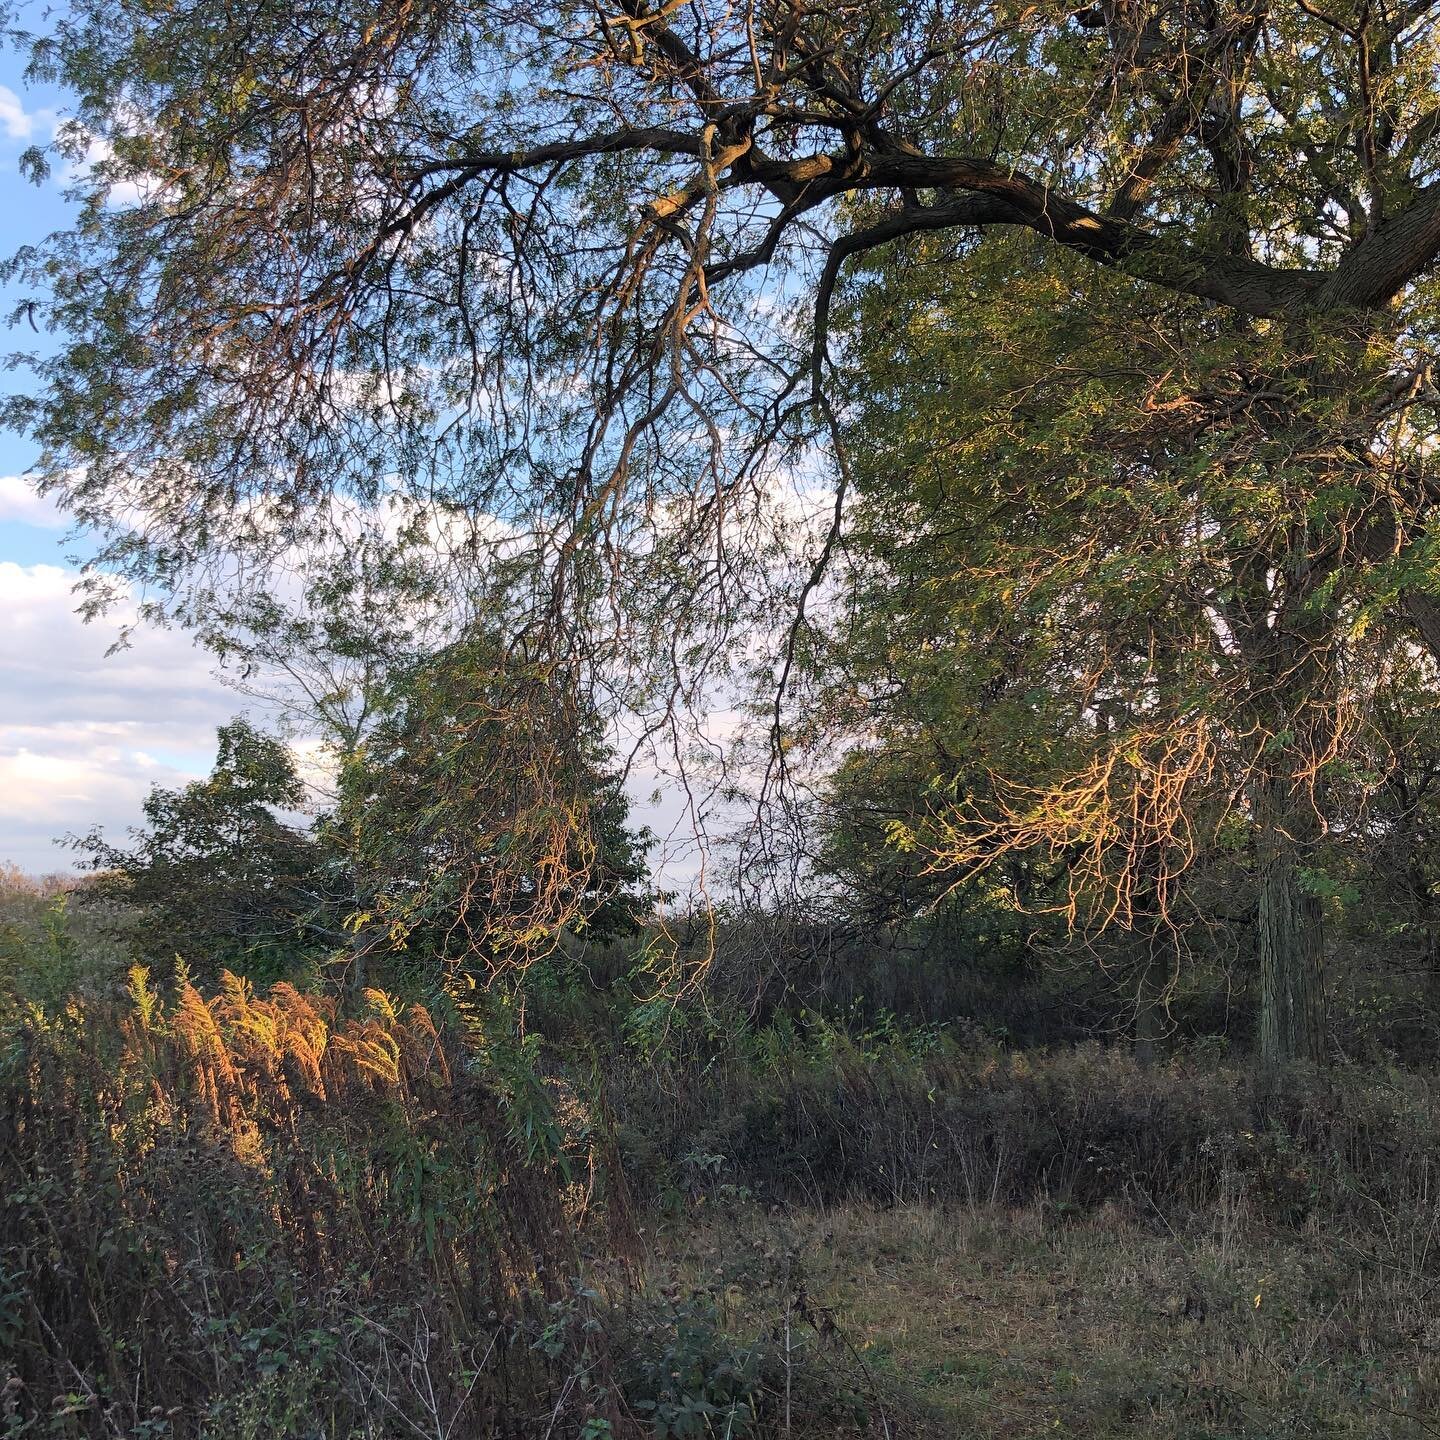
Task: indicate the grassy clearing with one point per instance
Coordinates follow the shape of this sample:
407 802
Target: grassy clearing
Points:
1029 1323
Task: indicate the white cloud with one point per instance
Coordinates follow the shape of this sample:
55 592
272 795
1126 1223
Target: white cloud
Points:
19 501
15 120
83 736
119 194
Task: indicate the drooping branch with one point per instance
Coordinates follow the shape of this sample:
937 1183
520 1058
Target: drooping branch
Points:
571 266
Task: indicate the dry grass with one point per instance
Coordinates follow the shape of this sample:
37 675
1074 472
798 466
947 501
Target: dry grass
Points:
1027 1324
242 1216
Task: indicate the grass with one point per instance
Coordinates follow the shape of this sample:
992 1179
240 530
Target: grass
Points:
239 1215
1030 1323
1051 1243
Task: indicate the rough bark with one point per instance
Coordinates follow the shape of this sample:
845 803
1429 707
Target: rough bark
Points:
1158 968
1290 931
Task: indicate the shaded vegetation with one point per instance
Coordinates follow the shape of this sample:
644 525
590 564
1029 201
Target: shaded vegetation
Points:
270 1213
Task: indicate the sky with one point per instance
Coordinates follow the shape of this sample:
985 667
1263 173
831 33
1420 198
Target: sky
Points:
83 735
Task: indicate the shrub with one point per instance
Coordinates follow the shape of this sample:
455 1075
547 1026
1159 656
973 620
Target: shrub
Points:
52 948
899 1117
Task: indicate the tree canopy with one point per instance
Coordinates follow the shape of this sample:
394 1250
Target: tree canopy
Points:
568 274
572 268
220 879
480 818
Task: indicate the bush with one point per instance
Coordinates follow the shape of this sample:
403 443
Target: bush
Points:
899 1116
52 948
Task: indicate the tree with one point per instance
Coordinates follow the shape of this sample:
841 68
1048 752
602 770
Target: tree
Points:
482 819
572 269
1092 545
1016 651
219 878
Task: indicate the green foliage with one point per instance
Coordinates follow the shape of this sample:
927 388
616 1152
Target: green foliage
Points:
1137 423
216 875
905 1116
1138 393
55 945
480 820
1085 631
687 1378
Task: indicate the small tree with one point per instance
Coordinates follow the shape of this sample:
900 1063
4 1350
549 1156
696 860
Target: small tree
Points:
221 879
481 813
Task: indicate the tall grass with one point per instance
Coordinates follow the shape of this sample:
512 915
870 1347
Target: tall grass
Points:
245 1215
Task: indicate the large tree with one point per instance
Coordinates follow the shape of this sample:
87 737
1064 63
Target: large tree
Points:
570 267
1051 627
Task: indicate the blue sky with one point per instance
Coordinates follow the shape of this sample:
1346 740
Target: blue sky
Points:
82 736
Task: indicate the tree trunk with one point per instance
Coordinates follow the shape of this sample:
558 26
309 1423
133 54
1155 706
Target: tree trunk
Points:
1290 929
1156 973
1313 421
1285 795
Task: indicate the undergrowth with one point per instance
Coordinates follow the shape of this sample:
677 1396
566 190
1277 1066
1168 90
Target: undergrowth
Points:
247 1216
240 1215
814 1114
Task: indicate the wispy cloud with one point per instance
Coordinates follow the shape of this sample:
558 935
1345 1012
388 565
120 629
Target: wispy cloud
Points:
19 502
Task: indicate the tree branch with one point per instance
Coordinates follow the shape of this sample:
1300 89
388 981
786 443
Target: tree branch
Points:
1376 269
